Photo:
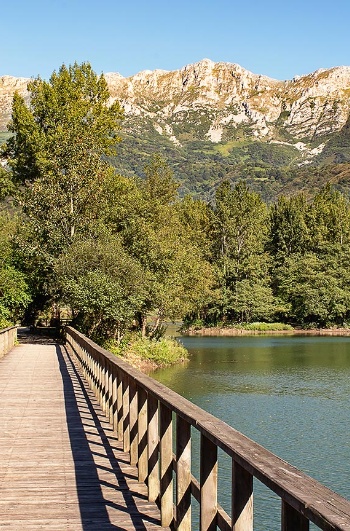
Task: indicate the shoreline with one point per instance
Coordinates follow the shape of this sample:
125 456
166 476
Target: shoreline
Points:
232 332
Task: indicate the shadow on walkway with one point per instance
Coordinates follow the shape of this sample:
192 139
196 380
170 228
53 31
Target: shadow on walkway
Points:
89 442
26 336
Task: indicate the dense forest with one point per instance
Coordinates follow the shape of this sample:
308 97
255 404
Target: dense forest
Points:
112 250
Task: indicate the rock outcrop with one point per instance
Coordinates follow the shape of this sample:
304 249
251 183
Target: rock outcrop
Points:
224 102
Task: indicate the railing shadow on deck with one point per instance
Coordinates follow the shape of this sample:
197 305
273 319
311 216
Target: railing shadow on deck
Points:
83 422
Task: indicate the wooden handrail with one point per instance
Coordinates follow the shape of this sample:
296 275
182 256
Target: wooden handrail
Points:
8 338
142 412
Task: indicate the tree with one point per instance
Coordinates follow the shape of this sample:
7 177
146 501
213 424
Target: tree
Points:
316 287
178 275
329 219
58 156
289 231
14 290
240 235
104 286
58 149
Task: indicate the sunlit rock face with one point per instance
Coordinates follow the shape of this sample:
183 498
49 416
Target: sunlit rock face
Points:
223 101
8 86
218 98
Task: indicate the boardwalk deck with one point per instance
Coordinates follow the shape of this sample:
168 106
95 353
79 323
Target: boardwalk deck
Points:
61 466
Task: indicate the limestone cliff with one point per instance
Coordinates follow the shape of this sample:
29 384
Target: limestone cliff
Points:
223 102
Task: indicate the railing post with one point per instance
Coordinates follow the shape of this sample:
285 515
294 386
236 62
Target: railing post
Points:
110 392
183 475
142 435
100 384
106 386
166 466
115 398
126 414
242 499
95 377
292 520
208 484
153 449
133 422
120 405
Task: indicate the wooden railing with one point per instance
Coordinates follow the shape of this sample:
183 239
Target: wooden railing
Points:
154 424
8 338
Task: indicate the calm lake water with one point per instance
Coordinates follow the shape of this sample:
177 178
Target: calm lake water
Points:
289 393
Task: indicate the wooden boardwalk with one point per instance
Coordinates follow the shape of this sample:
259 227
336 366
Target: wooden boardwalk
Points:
61 466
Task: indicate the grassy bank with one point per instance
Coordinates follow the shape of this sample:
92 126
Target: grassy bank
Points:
148 354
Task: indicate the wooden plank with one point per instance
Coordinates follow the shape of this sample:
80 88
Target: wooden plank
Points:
153 449
292 520
166 466
208 484
183 475
242 499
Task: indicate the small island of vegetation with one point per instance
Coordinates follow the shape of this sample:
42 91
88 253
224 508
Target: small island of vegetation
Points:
113 249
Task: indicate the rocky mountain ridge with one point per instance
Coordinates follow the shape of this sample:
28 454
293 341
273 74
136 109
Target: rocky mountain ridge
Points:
221 97
224 111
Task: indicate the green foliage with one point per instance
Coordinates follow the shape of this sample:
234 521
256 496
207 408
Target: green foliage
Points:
156 236
57 155
58 148
67 127
317 287
7 186
252 300
161 353
102 284
266 327
14 291
289 225
115 249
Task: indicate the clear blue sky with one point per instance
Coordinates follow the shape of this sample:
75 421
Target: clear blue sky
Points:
277 38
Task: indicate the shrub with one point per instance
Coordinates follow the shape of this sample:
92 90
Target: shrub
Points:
161 352
265 327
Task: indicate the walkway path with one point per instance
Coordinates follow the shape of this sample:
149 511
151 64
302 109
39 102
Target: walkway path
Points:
61 466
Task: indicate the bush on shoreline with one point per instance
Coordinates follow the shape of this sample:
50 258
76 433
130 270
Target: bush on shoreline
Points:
256 326
264 326
148 354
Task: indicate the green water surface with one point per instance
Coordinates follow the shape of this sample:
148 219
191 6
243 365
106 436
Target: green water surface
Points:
289 393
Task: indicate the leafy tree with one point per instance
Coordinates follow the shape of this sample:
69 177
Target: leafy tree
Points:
289 226
102 284
179 276
58 149
253 300
7 186
197 217
14 291
240 235
329 219
241 228
317 287
58 156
